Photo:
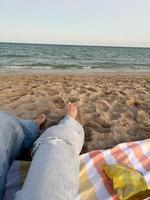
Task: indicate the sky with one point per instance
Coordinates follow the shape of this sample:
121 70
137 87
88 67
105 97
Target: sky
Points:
86 22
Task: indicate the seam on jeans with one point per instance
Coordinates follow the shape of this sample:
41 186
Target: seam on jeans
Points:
35 148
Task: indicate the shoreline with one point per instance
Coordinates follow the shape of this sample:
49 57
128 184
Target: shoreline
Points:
64 72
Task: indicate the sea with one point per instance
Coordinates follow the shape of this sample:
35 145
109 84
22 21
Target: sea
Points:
50 57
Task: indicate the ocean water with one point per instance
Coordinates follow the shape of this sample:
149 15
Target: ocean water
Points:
15 56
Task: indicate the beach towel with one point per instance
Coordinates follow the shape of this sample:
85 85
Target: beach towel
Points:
94 183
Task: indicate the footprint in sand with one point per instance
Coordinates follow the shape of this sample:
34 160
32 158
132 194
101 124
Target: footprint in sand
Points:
88 133
104 123
133 102
73 99
102 105
138 132
143 117
53 92
59 103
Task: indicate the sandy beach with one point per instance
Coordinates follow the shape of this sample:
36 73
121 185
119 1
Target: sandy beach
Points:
113 108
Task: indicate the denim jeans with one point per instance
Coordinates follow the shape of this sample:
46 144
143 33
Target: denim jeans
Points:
15 136
54 170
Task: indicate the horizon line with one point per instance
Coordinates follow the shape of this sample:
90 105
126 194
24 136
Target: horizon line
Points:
64 44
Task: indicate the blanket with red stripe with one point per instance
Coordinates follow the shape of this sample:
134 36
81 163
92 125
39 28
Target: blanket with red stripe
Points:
94 184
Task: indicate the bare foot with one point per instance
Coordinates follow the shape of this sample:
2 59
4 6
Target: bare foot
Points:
39 120
72 110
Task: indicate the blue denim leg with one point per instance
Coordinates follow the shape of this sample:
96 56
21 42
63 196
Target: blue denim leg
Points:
54 171
16 136
31 132
11 138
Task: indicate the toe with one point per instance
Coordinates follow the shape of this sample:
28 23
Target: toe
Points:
71 105
68 105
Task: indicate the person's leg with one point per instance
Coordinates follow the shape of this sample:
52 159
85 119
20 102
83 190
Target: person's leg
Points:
16 135
70 121
31 130
11 137
54 171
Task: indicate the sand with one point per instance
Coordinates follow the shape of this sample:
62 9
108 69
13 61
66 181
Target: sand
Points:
113 108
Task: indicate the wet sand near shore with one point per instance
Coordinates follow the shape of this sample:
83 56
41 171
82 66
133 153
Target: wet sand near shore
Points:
113 108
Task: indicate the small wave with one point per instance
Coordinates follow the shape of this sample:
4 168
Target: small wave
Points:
87 67
14 67
42 67
39 64
101 66
66 66
25 67
14 55
141 67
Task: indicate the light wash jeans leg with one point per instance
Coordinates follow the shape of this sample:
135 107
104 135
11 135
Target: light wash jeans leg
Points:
54 171
11 137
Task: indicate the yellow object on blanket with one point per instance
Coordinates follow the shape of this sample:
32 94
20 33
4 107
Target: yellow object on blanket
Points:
126 181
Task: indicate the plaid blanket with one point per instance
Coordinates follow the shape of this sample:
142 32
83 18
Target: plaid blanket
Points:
94 184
